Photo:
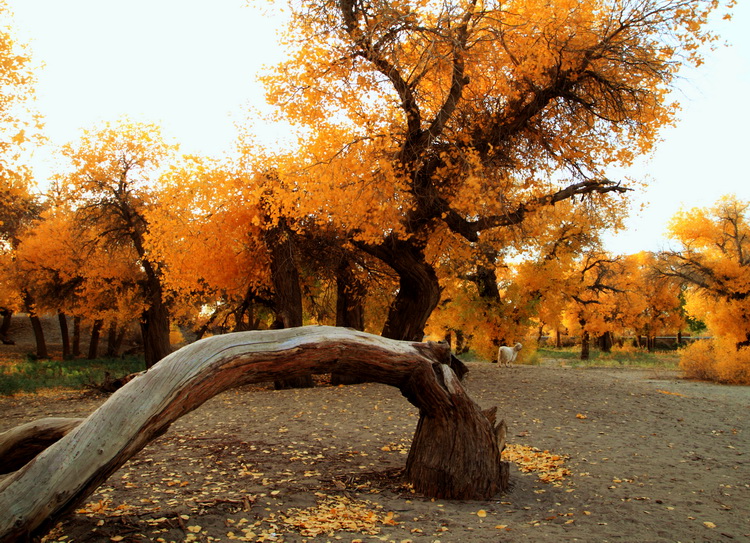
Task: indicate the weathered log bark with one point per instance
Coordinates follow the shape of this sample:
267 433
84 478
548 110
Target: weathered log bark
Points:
466 465
448 457
22 443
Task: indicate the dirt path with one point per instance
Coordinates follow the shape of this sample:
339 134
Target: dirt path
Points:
651 458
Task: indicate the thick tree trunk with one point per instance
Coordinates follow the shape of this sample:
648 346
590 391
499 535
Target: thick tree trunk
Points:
350 310
7 315
287 297
76 336
155 331
443 461
94 340
115 337
350 298
585 345
418 289
111 339
64 334
464 464
605 342
41 344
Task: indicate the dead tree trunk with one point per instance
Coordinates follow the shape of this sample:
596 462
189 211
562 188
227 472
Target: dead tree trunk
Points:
455 453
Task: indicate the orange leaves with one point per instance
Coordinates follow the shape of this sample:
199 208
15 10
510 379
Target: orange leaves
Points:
335 514
714 267
121 157
550 468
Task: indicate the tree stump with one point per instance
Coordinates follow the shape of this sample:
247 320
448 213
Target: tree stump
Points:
455 453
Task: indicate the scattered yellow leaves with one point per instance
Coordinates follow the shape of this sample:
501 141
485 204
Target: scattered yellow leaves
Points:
581 416
337 514
549 466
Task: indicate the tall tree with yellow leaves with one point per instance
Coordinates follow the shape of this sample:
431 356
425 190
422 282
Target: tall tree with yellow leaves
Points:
20 127
110 187
469 116
714 263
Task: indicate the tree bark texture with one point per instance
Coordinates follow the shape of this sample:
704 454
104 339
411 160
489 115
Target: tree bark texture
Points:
94 339
418 289
64 334
76 336
22 443
155 330
460 461
41 344
585 346
350 298
5 326
350 310
287 292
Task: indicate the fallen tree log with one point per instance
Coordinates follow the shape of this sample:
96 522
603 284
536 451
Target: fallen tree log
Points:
463 464
22 443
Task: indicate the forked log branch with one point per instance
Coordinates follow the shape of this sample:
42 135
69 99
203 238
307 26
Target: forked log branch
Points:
22 443
461 461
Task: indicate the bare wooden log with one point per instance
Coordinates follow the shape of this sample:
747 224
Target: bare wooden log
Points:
22 443
51 485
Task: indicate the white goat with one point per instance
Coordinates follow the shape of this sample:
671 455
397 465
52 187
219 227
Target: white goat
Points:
507 355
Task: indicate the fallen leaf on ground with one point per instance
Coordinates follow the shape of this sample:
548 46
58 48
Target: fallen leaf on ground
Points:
550 467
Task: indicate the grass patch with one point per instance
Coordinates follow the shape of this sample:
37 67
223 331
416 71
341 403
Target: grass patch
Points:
32 375
617 358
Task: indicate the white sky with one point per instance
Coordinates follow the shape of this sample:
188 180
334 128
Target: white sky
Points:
191 65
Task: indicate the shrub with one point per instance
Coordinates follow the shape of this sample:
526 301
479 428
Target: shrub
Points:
698 362
717 360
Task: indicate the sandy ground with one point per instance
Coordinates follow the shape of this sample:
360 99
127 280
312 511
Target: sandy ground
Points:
650 457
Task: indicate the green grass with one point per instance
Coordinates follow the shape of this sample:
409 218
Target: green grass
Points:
634 358
571 356
32 375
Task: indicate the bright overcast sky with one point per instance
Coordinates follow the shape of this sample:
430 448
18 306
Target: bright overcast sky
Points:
191 65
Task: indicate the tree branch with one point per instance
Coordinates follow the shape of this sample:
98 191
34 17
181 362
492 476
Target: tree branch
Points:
470 229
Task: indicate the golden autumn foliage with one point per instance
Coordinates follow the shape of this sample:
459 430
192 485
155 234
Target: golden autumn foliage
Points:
499 98
713 263
444 141
100 206
19 124
415 117
20 128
